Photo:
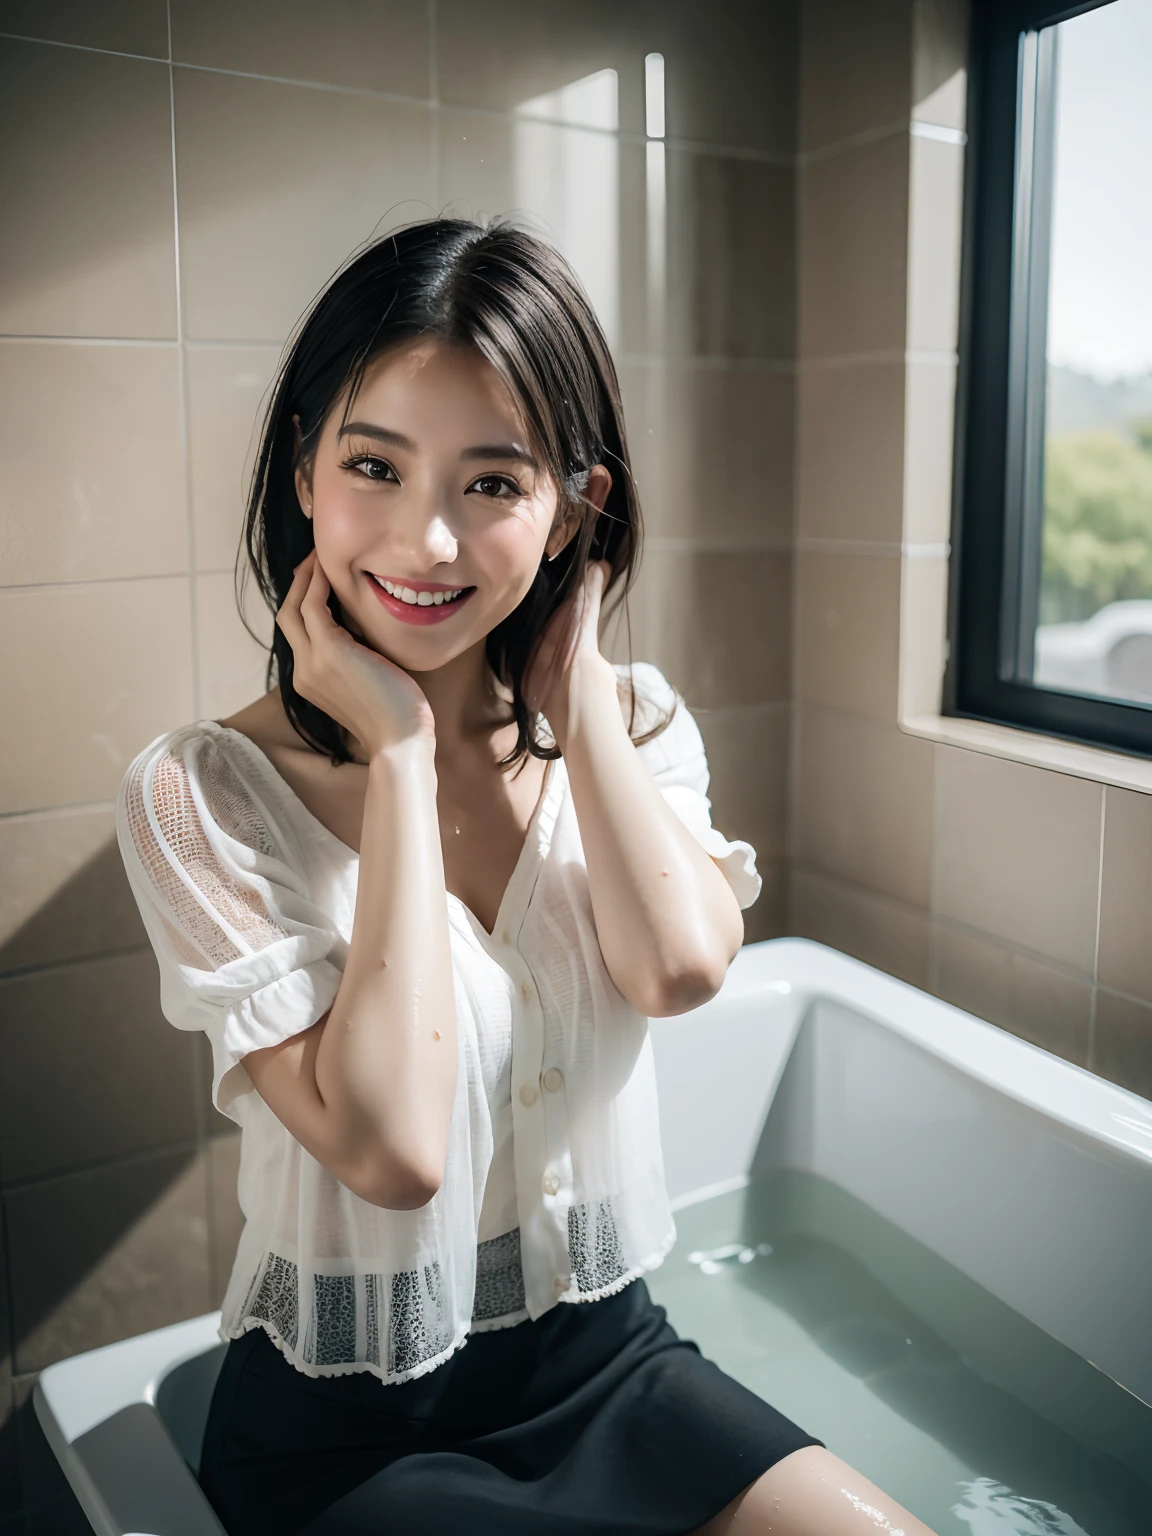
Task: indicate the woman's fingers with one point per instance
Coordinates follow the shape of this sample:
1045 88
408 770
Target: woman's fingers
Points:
288 617
314 608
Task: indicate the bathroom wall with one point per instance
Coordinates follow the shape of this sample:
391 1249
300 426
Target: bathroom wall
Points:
1018 892
176 182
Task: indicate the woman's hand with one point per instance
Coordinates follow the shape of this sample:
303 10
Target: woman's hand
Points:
377 701
568 651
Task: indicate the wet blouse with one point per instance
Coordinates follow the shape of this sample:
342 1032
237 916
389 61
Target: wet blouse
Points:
554 1186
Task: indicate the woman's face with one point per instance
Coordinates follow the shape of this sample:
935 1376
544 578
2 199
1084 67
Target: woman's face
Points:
430 511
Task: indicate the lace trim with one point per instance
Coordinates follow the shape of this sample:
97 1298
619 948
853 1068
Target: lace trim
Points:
419 1327
182 853
499 1279
403 1319
594 1247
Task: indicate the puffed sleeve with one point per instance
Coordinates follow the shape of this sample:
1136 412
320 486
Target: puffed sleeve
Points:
244 953
677 761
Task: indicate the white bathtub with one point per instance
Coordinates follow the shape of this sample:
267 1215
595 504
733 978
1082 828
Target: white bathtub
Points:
1031 1176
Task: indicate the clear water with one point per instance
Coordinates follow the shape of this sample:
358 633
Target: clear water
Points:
973 1418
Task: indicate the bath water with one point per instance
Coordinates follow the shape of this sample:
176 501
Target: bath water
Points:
976 1420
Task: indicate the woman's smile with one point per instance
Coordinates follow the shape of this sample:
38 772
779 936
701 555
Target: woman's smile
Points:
418 602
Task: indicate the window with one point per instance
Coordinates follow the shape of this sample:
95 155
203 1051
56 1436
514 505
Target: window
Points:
1052 605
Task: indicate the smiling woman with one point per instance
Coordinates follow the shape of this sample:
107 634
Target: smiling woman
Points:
422 898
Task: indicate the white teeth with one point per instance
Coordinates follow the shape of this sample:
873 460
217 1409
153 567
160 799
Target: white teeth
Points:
420 599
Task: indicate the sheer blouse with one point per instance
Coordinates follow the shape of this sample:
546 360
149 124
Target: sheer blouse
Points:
553 1188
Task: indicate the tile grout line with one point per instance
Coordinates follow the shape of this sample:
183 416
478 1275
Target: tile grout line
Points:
73 962
186 1145
782 158
1091 1057
182 369
434 99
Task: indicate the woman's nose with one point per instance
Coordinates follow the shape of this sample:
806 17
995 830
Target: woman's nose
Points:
427 539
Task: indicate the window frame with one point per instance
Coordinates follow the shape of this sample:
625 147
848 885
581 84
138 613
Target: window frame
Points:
1000 396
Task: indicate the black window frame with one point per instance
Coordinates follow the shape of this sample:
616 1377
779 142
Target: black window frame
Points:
1001 397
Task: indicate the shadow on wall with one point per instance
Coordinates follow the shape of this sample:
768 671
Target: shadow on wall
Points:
117 1188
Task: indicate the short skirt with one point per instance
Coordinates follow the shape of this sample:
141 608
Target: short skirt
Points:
596 1418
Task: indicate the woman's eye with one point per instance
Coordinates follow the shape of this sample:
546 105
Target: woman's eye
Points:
495 486
371 467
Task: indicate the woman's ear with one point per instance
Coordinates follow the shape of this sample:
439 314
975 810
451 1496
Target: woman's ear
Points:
595 494
302 475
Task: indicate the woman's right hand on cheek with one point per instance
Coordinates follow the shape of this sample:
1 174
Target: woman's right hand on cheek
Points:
366 693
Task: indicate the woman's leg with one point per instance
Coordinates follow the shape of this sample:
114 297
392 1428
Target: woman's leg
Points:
813 1493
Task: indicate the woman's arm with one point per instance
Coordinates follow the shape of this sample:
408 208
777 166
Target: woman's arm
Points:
667 920
368 1090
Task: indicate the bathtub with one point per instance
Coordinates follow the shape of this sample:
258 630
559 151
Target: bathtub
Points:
1030 1176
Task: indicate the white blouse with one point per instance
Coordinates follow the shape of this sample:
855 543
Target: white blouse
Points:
554 1185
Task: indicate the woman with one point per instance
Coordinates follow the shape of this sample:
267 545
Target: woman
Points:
422 898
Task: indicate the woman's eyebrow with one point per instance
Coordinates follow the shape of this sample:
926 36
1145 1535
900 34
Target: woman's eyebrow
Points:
381 434
491 451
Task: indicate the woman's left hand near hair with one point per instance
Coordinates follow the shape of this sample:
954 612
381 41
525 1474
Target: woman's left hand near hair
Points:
568 649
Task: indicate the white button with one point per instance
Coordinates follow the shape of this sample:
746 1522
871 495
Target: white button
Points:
553 1079
551 1183
526 992
528 1095
505 937
559 1285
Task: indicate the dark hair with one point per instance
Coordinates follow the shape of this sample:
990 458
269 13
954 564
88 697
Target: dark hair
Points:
516 301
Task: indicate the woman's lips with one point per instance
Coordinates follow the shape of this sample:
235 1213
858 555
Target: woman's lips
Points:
419 613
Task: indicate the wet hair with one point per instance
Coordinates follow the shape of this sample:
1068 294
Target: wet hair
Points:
513 299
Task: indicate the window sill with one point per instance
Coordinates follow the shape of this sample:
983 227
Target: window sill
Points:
1081 762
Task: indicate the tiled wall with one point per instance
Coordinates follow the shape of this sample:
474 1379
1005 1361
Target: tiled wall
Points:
176 182
1019 893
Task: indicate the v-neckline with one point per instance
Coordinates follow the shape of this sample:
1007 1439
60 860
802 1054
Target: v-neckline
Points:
536 836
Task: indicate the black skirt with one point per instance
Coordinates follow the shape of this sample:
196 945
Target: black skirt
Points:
595 1418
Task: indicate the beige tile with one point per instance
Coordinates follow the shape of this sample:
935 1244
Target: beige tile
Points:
375 45
227 395
227 1219
718 90
136 1255
848 625
1126 894
1033 1000
272 202
562 184
89 1067
853 243
939 61
129 26
90 462
64 894
856 68
503 55
86 188
731 260
711 451
766 918
850 448
231 663
113 669
1018 854
862 800
936 184
717 624
929 415
887 934
1122 1042
923 635
748 759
